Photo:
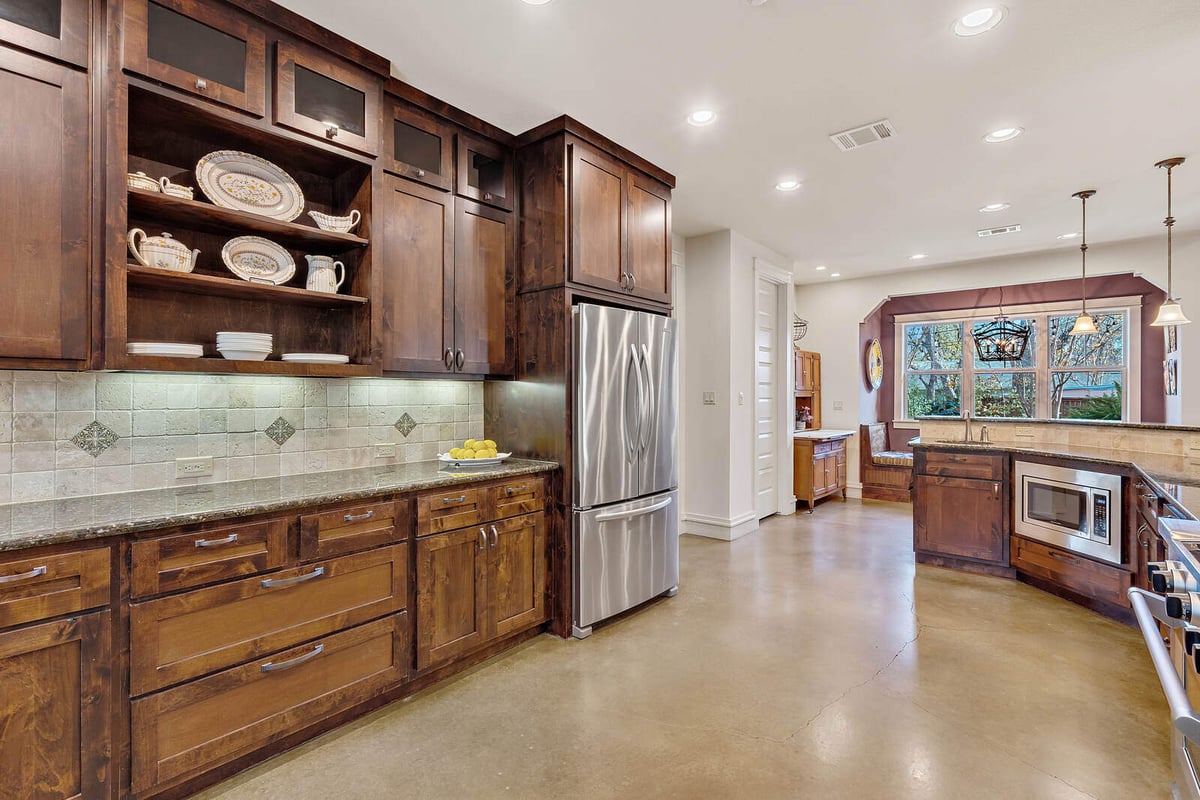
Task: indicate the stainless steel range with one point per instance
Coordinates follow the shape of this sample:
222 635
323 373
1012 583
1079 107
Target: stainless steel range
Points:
1170 621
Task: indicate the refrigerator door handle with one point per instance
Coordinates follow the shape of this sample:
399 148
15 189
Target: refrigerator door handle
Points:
632 439
647 405
637 512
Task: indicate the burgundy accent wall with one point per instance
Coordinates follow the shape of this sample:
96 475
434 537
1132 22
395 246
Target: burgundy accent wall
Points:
883 320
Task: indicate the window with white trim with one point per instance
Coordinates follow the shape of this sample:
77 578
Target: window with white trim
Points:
1060 376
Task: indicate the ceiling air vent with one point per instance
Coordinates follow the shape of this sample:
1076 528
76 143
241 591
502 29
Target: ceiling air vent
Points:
857 137
998 231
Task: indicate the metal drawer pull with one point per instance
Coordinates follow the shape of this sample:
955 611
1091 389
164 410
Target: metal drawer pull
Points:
483 536
201 84
448 500
230 539
271 583
271 666
637 512
510 491
358 517
24 576
495 537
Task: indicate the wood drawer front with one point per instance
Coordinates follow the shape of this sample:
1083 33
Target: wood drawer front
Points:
197 558
184 636
965 465
345 530
447 511
196 726
1068 570
52 585
514 498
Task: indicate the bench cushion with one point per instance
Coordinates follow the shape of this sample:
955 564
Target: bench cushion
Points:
892 459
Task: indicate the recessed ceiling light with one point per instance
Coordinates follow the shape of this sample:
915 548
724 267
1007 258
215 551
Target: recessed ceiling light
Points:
835 274
788 185
1003 135
991 208
536 2
981 20
755 2
822 268
702 117
1073 235
917 256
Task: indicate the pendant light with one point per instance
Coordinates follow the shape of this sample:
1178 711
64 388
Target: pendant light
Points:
1170 312
1084 324
1001 339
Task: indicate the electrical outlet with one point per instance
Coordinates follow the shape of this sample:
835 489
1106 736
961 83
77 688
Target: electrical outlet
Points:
385 451
839 405
193 467
709 398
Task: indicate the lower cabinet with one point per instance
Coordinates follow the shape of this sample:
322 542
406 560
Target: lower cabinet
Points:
1077 573
478 584
961 517
211 720
819 469
55 709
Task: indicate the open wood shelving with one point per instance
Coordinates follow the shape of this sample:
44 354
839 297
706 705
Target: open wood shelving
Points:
195 283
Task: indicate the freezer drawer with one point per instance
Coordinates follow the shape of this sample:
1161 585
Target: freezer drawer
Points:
625 554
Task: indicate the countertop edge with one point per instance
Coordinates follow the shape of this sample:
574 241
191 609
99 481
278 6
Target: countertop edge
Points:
256 508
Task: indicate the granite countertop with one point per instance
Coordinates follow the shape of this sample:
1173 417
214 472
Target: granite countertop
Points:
77 518
823 433
1174 476
1100 423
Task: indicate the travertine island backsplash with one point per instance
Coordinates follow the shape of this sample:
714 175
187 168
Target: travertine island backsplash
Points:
67 434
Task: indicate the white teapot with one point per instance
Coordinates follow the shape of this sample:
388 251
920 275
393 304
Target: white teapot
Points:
161 252
323 274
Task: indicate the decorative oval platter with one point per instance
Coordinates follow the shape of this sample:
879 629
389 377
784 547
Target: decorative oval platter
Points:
245 182
258 260
473 462
875 364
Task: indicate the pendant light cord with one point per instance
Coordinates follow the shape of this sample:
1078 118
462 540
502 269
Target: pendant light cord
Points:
1170 223
1083 254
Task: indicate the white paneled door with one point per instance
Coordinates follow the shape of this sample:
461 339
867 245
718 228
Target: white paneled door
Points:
766 399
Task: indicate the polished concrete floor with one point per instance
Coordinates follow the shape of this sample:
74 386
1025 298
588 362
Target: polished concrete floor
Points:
808 660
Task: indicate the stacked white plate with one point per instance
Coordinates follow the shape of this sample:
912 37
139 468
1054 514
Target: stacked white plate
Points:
316 358
169 349
244 346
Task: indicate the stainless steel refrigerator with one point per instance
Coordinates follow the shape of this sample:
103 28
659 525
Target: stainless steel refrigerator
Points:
625 502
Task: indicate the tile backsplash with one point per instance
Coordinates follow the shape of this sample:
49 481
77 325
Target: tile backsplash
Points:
66 434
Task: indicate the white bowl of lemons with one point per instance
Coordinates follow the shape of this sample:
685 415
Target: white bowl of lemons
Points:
474 453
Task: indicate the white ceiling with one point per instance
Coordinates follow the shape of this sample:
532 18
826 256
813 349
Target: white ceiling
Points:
1104 88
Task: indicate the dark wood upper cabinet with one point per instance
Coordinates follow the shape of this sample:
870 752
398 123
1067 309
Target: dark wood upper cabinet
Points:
44 222
417 272
204 50
55 28
332 101
649 237
56 685
598 220
483 248
485 172
418 146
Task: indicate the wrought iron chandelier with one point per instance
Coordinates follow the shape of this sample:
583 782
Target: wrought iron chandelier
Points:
1001 339
799 328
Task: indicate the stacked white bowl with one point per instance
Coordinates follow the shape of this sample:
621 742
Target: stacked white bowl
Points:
243 345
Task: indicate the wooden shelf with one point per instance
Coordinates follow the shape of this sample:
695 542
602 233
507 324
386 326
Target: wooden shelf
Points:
206 217
168 364
193 283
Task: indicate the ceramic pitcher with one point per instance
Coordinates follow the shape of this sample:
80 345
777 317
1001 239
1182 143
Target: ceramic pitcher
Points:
324 274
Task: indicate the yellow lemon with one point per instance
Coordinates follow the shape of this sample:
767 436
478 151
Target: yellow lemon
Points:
456 452
468 453
491 453
469 444
489 444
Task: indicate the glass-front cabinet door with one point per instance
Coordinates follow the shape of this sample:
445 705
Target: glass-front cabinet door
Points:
326 99
485 172
419 146
55 28
211 52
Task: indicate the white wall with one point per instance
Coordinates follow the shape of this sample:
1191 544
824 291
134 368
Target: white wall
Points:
835 307
718 317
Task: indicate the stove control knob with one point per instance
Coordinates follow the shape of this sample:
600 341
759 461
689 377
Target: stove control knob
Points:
1159 566
1179 606
1173 580
1191 638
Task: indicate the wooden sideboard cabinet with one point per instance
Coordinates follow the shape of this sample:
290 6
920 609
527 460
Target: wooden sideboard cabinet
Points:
819 468
961 515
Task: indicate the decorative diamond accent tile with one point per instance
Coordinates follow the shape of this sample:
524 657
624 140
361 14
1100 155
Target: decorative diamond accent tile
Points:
405 424
280 431
95 438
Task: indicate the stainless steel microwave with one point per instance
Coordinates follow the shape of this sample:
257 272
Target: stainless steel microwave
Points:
1076 509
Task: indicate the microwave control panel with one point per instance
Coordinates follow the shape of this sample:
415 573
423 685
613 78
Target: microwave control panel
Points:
1100 516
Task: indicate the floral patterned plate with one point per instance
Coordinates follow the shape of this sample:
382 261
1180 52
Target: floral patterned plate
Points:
244 182
258 260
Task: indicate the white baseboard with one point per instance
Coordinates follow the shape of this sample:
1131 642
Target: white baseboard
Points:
719 527
854 490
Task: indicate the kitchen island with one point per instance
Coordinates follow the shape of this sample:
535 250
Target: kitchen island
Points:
190 632
967 507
